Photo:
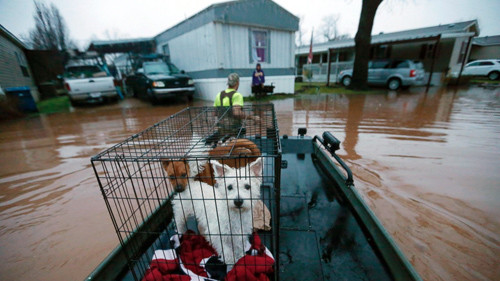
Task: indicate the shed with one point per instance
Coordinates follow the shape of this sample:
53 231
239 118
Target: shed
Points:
232 37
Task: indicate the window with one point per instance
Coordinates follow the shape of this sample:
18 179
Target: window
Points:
22 63
400 64
84 71
476 63
259 44
379 64
430 50
426 51
381 52
485 63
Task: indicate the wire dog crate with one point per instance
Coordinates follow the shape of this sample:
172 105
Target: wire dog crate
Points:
165 216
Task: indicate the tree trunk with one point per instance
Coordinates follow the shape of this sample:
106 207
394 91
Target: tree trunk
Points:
362 48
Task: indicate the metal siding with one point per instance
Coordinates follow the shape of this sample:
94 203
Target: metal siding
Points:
281 49
10 71
236 46
222 46
195 50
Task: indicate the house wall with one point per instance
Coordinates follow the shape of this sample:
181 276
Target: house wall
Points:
11 74
211 52
194 50
455 64
484 52
234 47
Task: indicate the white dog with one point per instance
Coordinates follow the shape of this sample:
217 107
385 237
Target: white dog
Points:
224 213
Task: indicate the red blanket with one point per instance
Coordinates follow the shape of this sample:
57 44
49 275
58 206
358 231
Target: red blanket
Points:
191 261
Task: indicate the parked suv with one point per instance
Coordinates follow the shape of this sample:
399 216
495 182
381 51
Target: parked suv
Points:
488 68
394 73
159 80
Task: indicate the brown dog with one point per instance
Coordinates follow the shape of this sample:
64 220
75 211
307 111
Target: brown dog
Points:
178 173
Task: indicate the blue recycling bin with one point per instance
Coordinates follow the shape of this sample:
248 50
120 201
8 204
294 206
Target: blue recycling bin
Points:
22 98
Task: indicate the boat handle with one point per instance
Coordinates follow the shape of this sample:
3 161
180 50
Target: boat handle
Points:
332 144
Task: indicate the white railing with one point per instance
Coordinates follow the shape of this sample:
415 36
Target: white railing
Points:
320 71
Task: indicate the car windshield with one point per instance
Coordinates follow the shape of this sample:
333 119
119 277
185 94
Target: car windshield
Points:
84 71
160 68
418 64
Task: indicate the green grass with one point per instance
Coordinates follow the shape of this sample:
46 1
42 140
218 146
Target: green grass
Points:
483 80
53 105
321 88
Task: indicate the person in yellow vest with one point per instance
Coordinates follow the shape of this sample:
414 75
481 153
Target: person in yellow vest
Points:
230 96
229 105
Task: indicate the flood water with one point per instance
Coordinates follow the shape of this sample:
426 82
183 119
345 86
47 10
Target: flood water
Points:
427 164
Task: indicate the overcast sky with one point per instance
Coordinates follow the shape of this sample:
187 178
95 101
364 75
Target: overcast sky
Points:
111 19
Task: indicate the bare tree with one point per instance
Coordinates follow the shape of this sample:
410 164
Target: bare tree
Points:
329 29
363 41
300 33
50 32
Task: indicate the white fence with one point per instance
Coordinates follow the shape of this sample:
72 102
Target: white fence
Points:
320 71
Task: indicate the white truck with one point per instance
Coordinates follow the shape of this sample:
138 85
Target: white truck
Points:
89 84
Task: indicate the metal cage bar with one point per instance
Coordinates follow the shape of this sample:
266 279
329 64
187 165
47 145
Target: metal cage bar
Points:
140 192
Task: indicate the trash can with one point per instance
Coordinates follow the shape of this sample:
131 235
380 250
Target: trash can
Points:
22 98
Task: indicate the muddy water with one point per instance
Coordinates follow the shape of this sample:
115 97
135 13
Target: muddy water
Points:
428 165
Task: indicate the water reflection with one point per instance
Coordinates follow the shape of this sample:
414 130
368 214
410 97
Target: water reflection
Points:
52 217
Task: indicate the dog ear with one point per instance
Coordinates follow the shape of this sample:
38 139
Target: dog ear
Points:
165 164
219 169
256 167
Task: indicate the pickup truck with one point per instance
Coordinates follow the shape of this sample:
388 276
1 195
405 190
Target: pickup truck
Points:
89 84
159 80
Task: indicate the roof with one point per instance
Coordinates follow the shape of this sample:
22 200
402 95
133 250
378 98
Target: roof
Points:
258 13
139 45
447 31
121 41
486 41
12 37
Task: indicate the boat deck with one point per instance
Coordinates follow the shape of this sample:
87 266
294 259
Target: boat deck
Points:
320 238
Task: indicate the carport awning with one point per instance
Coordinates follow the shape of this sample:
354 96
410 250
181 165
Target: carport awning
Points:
137 45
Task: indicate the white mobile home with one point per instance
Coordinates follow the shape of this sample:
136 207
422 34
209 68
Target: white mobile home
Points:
232 37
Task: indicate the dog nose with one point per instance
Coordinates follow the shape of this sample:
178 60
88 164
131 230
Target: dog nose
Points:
238 202
179 188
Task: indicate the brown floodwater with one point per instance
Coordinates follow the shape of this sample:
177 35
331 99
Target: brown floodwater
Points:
428 165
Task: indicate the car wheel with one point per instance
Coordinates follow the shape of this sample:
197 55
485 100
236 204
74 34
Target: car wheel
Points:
131 92
190 97
494 75
73 103
394 84
152 98
346 81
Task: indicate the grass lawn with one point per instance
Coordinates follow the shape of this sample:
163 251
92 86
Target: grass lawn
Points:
321 88
483 80
306 88
53 105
